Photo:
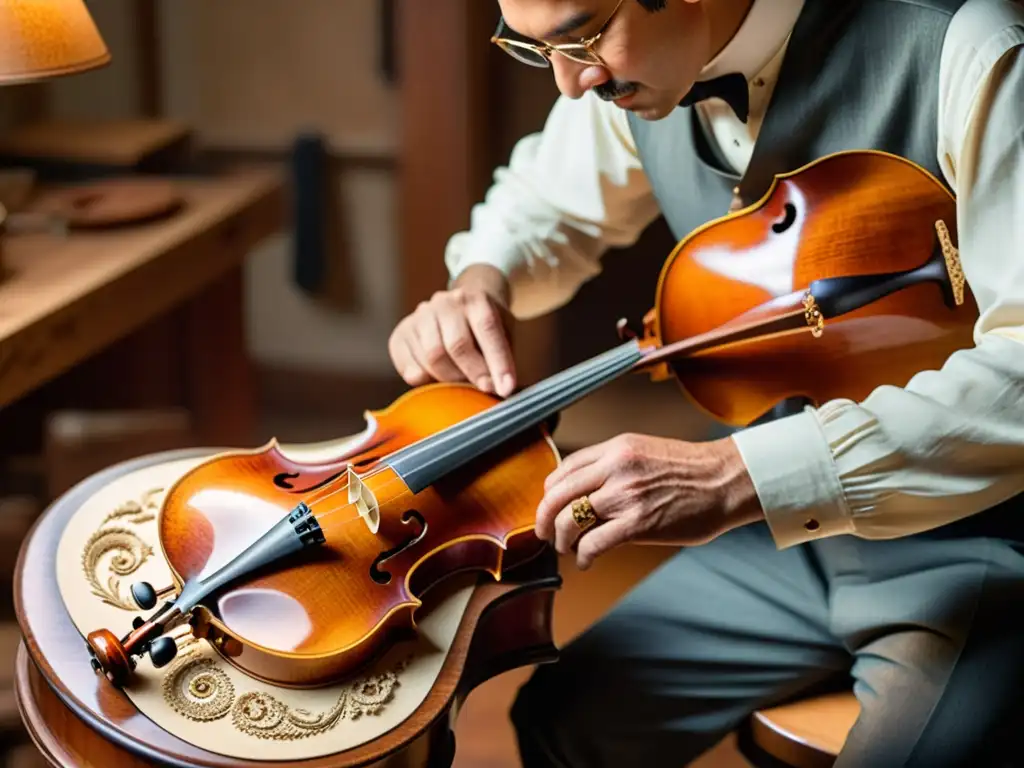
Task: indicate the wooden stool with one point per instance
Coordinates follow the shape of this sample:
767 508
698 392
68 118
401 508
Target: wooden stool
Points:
807 733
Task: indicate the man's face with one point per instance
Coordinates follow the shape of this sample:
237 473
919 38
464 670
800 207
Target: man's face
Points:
651 58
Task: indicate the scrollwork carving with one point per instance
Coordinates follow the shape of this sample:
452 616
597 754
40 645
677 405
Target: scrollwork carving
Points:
137 512
130 552
195 687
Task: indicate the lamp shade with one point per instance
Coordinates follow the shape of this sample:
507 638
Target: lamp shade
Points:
40 39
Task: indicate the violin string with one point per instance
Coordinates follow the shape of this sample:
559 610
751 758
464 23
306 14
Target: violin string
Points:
316 502
310 501
519 406
334 510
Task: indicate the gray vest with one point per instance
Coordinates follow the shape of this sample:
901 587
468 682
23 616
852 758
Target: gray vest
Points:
854 76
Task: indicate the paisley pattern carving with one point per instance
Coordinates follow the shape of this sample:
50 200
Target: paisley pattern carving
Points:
261 715
138 512
196 685
196 688
130 552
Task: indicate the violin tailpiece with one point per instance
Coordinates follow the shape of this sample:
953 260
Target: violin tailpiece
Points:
952 256
813 315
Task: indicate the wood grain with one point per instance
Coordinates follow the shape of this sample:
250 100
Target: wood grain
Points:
809 733
65 299
88 722
851 214
445 153
359 590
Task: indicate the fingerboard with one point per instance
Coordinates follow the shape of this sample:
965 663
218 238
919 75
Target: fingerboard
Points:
425 462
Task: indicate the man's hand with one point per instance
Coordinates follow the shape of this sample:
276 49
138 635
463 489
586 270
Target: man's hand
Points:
647 490
459 335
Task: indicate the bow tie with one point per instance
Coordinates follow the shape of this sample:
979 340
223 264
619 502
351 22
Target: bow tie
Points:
731 88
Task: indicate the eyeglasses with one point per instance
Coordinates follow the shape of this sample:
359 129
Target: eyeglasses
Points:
539 54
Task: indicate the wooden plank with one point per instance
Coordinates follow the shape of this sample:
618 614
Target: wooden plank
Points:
221 384
68 298
116 142
445 149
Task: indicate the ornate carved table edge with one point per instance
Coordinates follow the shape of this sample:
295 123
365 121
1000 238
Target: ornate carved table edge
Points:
506 624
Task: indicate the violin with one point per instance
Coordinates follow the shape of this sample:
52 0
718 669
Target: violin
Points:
843 277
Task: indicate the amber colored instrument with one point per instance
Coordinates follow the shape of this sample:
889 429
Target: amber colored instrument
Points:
844 277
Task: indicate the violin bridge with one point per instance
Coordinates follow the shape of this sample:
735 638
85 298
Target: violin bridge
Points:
364 500
952 257
813 316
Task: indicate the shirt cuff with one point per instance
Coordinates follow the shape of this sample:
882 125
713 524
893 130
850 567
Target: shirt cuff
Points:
793 471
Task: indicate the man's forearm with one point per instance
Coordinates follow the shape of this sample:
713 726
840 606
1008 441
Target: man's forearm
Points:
538 227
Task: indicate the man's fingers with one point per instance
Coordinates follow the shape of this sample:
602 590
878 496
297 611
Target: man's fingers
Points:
573 463
430 350
485 319
457 335
568 531
462 348
600 539
586 481
404 360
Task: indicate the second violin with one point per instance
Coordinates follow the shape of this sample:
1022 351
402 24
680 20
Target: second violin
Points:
843 278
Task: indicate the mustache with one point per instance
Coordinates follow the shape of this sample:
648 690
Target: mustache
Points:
614 89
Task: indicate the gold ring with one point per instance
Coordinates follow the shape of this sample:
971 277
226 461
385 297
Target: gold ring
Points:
583 513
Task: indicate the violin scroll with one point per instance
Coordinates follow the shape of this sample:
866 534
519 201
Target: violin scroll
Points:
109 656
115 659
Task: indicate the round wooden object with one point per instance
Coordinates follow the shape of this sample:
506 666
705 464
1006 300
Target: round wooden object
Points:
78 719
111 202
806 734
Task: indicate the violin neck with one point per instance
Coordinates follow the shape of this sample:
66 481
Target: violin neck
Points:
427 461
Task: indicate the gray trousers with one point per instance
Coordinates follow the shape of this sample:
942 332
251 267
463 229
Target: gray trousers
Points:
925 628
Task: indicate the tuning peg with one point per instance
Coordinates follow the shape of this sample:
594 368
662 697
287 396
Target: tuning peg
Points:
162 651
144 594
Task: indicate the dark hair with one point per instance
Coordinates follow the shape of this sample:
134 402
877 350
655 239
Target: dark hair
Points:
652 5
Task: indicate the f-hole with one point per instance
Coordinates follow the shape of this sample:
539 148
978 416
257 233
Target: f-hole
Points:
781 226
383 577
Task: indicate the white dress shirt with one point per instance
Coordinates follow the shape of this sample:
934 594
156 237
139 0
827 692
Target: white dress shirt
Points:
948 445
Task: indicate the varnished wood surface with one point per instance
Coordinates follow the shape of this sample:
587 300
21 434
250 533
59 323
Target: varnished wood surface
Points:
65 298
857 213
481 517
808 733
62 738
505 625
124 143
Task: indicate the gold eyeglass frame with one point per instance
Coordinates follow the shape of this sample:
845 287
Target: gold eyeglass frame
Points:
582 52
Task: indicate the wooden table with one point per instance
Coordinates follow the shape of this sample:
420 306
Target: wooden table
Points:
174 286
78 719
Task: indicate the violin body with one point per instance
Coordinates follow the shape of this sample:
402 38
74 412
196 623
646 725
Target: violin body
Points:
340 607
325 612
847 215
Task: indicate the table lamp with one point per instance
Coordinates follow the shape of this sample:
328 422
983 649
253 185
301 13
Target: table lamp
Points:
44 39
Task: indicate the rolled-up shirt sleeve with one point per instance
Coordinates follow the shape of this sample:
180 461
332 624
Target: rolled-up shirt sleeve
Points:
568 194
950 443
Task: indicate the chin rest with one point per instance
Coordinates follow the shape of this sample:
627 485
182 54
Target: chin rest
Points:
806 733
